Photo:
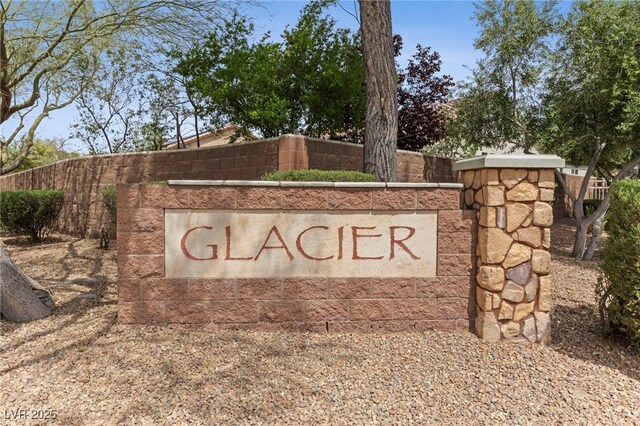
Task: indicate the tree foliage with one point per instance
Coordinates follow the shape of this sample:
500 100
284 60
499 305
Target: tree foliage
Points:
580 100
50 53
620 290
593 96
281 87
500 105
423 98
312 82
43 152
593 100
109 110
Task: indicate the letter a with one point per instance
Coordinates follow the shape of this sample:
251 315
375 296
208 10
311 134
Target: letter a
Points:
274 231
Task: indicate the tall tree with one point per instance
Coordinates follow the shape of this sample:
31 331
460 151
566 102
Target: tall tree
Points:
500 106
48 58
281 87
109 108
49 54
593 102
181 75
381 119
167 110
422 99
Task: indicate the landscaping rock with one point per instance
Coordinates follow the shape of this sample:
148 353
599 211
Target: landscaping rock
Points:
513 292
540 262
531 289
516 215
524 191
491 277
93 371
530 236
529 329
542 214
518 253
493 244
510 329
511 177
506 311
493 195
522 310
519 274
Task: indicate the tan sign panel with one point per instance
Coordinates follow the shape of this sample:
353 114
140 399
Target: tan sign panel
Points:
260 244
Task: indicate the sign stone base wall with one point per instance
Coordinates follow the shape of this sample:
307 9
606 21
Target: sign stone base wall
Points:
445 300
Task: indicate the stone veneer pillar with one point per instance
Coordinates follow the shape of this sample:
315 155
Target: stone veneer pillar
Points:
512 195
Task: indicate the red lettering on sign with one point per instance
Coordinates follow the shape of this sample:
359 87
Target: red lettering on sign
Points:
355 236
227 231
183 245
274 231
392 231
301 250
340 238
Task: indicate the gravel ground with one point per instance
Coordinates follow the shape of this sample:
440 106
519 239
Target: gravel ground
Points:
80 363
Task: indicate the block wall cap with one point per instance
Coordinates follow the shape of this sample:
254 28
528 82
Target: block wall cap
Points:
509 161
290 184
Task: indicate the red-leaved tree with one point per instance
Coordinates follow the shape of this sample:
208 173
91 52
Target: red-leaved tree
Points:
422 98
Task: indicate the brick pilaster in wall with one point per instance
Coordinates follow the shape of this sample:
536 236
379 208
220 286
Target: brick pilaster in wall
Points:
513 288
292 153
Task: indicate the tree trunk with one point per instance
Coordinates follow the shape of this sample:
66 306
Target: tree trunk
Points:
595 237
195 117
581 239
582 228
580 249
381 120
21 298
177 130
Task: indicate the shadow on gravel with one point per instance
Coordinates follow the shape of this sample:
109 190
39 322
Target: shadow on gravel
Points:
69 312
87 339
74 323
26 242
576 333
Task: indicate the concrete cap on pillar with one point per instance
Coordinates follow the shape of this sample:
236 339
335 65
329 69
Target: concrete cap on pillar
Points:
509 161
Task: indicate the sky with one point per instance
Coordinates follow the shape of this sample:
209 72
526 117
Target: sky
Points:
445 26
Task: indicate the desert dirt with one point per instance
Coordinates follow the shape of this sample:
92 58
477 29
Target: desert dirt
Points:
84 367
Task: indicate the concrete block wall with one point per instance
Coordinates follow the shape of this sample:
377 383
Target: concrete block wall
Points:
82 179
411 166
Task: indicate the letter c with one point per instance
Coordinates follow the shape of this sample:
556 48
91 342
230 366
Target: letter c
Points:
301 250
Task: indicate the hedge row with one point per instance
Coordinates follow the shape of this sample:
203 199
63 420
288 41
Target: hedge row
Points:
620 290
313 175
31 213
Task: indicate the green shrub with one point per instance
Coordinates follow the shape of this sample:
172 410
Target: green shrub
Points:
320 176
590 205
31 213
109 201
619 289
